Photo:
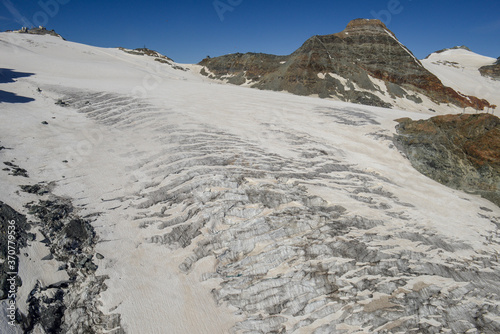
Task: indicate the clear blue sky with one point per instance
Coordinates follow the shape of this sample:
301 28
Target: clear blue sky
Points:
189 30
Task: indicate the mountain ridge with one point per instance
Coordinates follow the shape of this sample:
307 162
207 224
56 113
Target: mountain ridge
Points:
345 65
462 47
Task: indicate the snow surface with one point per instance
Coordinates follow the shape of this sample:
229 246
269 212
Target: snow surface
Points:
459 69
121 154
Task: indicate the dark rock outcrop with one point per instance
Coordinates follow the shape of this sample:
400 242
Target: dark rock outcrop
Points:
15 170
39 31
145 52
71 240
459 151
342 65
68 306
155 54
492 71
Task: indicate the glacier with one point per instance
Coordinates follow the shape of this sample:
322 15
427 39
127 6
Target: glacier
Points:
222 209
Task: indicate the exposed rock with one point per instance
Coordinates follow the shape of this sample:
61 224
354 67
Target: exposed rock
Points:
38 189
492 71
46 307
460 151
71 306
341 65
39 31
146 52
61 103
71 238
151 53
252 65
15 170
156 55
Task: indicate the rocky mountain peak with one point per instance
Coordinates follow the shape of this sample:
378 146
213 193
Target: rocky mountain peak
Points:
363 27
356 23
365 64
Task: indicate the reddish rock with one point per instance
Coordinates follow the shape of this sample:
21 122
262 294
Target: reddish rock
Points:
460 151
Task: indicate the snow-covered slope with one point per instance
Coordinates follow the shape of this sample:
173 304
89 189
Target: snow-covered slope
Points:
459 69
226 209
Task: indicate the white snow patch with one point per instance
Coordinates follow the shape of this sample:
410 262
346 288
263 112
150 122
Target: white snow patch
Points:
464 76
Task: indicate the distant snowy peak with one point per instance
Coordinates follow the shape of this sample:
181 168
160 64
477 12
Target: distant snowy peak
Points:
463 58
461 54
365 63
466 72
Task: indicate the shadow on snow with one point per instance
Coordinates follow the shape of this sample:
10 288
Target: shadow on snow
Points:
9 76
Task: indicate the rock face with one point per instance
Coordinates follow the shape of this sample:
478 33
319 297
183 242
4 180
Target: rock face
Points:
460 151
69 306
343 65
492 71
